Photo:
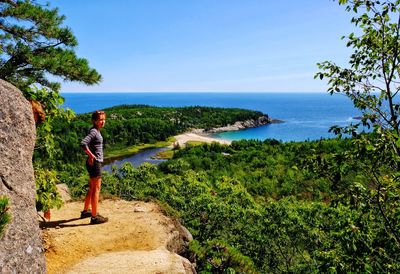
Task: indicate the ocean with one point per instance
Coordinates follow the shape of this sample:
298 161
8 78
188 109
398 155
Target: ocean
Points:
306 116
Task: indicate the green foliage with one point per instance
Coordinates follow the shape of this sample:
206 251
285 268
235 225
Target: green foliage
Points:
209 211
219 257
5 216
76 178
266 169
34 44
300 220
313 237
47 196
47 151
185 117
371 82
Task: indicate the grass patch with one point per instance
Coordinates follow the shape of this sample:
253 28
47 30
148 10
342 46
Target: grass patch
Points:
118 153
168 154
195 143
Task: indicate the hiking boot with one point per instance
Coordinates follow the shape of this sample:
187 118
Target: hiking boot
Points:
86 214
98 219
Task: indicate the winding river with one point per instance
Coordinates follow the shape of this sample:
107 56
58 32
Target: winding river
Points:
138 158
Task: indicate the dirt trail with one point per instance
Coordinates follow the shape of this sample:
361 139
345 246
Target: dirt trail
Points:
137 239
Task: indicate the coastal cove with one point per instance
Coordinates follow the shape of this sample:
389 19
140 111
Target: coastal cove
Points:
134 128
307 116
151 153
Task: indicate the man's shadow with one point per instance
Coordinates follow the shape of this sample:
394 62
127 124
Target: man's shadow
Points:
60 223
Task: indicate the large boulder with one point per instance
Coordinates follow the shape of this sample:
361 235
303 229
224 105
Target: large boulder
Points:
21 249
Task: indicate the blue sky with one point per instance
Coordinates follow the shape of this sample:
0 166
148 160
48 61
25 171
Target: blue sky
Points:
207 45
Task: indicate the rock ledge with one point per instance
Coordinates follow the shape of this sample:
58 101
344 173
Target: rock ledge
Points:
138 238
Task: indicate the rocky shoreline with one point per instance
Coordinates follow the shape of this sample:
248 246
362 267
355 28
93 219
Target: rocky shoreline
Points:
252 123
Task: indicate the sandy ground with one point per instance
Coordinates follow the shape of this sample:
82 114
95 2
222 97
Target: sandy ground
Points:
182 139
137 239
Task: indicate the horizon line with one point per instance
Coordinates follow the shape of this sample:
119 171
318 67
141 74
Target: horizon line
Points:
102 91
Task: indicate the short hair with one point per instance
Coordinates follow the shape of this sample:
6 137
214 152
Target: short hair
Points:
96 114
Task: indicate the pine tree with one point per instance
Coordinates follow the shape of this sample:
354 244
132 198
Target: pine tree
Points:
34 45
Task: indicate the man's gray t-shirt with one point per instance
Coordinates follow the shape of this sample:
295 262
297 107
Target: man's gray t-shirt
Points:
94 141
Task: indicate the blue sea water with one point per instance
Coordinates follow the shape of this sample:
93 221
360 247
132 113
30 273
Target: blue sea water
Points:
306 116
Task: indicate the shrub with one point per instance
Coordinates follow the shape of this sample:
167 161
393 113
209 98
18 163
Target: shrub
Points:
5 216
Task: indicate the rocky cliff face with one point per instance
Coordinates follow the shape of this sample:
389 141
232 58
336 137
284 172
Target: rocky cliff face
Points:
21 247
262 120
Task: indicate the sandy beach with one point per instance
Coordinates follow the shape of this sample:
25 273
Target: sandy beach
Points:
200 135
182 139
